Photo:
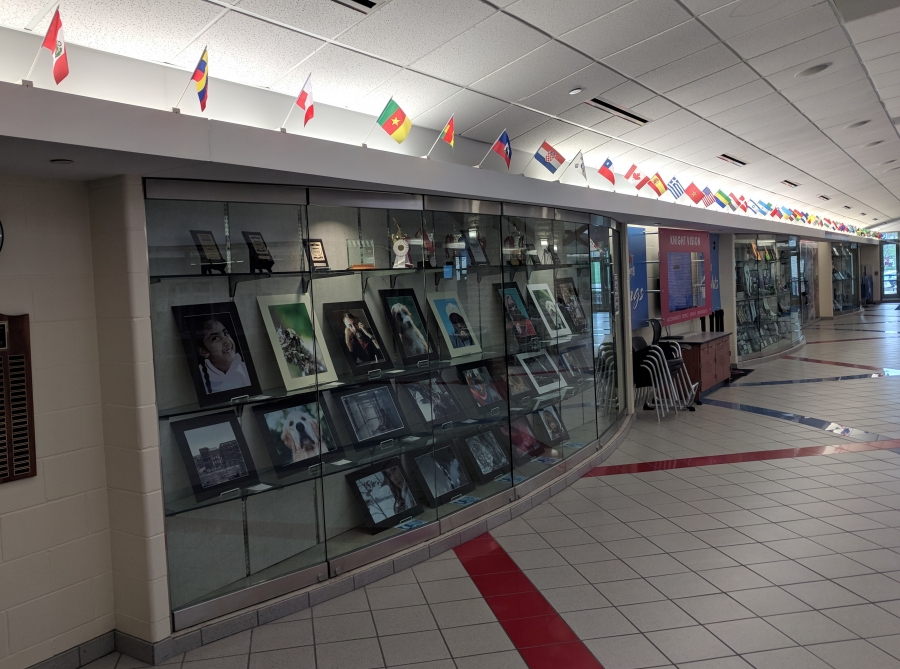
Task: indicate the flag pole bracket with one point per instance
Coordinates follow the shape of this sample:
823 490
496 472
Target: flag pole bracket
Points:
26 83
283 130
176 110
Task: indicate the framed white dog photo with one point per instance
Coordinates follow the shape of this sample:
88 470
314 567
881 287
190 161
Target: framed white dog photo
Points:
408 325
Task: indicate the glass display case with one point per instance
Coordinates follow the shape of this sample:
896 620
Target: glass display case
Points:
845 276
343 374
767 281
809 281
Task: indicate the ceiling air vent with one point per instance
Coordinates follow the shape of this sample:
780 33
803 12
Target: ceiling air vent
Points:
823 197
846 207
364 6
617 111
732 160
792 184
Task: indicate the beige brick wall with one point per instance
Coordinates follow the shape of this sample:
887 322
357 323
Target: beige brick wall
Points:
56 578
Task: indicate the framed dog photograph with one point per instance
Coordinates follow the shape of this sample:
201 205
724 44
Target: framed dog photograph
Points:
542 371
518 321
217 352
486 454
455 326
215 454
521 435
372 412
357 336
297 432
442 474
554 429
383 491
433 397
570 305
482 388
551 315
408 325
299 348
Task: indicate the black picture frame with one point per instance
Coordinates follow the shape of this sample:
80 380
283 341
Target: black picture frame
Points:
570 304
433 397
512 381
372 413
576 361
261 259
541 371
375 486
365 351
408 325
486 454
211 257
315 254
204 329
519 322
520 434
442 473
211 469
553 430
295 427
478 380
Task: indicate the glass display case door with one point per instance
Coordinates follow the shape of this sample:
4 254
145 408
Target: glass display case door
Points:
889 255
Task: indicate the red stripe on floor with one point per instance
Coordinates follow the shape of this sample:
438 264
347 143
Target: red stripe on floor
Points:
751 456
841 341
832 362
539 633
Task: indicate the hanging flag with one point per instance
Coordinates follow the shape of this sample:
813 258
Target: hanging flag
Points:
201 80
708 197
753 207
549 157
675 188
606 172
764 208
448 134
721 199
694 193
657 184
735 200
578 164
776 213
634 175
305 100
503 148
395 122
56 44
787 213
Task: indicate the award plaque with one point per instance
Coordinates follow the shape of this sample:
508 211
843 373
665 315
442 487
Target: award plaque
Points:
361 254
210 256
261 259
315 253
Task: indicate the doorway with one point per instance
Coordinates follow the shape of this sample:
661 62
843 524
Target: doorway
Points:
889 253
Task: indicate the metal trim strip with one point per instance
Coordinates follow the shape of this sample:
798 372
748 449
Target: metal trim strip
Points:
336 197
223 191
460 206
395 544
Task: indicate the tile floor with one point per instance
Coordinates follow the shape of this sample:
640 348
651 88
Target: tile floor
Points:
790 563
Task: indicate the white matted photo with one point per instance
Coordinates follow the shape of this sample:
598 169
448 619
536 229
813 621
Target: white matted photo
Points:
454 324
542 371
551 315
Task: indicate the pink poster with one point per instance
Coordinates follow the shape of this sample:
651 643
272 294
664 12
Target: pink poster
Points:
684 275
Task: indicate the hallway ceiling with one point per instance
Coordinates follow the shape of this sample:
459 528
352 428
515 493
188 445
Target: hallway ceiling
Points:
710 76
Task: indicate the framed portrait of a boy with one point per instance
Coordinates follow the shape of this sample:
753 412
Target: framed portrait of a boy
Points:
357 336
455 326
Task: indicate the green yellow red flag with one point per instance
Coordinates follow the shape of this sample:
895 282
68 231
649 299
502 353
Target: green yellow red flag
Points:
395 122
448 134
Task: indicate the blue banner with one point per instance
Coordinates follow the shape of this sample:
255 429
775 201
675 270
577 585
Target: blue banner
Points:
637 275
714 265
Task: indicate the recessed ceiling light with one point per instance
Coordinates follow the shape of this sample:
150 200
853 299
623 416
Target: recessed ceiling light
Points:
846 207
576 90
792 184
617 111
858 124
823 197
815 69
871 144
62 161
732 160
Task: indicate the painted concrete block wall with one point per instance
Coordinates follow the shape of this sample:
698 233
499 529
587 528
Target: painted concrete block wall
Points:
56 581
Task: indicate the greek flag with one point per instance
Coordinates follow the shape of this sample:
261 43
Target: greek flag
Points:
676 188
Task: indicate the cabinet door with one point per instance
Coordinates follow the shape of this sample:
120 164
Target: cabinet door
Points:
707 366
723 360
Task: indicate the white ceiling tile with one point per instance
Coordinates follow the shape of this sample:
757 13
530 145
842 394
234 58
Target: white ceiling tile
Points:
468 109
875 26
655 108
694 67
585 114
479 51
866 112
886 79
514 120
616 127
561 16
798 26
759 106
714 84
703 6
532 72
801 51
584 141
846 96
882 65
340 77
414 92
883 46
662 49
682 135
790 76
594 80
234 52
625 26
18 13
551 131
405 30
326 19
745 15
824 84
627 95
733 98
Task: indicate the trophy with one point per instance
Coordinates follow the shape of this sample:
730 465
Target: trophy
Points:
400 246
514 247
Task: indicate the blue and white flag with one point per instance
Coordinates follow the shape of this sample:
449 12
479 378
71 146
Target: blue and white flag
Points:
676 188
549 157
578 164
753 207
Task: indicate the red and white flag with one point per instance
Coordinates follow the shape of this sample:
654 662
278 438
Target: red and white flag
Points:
636 178
56 44
305 101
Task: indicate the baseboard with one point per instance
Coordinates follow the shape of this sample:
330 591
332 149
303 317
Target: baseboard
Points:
80 655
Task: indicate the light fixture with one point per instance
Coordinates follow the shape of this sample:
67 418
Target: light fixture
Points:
617 111
732 160
792 184
61 161
576 90
871 144
858 124
823 197
846 207
815 69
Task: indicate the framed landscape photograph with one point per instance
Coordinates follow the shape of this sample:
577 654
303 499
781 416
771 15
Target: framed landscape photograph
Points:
357 336
408 325
433 397
481 385
551 315
485 454
570 304
383 491
542 371
372 412
455 326
442 474
521 435
299 348
519 323
297 432
553 426
216 351
215 454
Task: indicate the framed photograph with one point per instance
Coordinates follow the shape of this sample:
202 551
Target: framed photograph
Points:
486 455
511 381
551 315
570 305
215 454
442 474
521 435
211 257
383 491
357 336
518 321
299 348
372 412
482 387
433 397
542 371
261 259
217 352
297 433
455 326
576 361
553 426
408 325
476 251
315 254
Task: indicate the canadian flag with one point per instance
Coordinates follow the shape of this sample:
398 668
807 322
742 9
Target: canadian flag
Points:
635 176
305 101
56 44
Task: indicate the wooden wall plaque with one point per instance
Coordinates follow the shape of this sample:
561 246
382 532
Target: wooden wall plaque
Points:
17 456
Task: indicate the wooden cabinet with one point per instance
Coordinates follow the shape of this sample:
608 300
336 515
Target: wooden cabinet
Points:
707 356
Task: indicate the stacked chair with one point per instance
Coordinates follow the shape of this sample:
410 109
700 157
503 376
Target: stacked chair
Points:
660 377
